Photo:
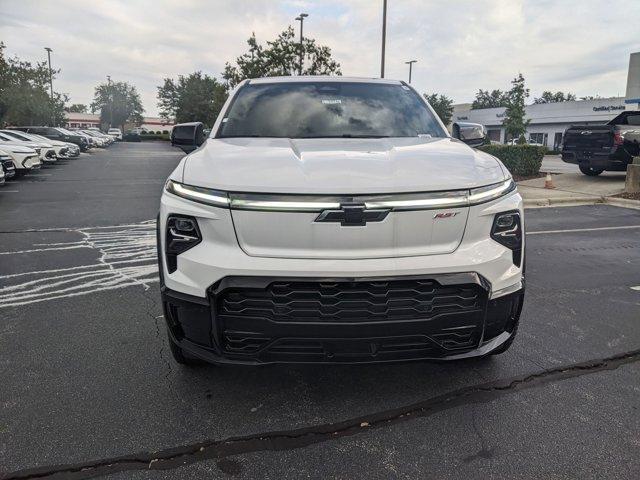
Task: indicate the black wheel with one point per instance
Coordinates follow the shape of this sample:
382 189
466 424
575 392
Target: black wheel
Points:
592 172
182 357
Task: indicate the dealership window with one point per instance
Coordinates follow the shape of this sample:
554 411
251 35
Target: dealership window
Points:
540 138
557 141
494 134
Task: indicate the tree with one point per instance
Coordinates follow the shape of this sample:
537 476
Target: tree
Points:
77 108
550 97
280 57
443 106
24 93
486 99
514 122
118 103
591 97
197 97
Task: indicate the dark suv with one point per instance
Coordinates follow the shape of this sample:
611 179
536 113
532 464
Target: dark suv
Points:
56 133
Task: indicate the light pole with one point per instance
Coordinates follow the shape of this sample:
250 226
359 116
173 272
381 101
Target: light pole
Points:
410 63
110 102
384 35
53 120
301 18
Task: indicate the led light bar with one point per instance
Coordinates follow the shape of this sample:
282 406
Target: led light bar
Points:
319 203
198 194
282 205
490 192
420 201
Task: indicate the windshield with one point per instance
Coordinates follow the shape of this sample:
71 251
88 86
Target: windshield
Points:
7 138
328 109
24 138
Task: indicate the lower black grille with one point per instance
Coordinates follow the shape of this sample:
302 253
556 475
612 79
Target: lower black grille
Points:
8 167
360 301
347 320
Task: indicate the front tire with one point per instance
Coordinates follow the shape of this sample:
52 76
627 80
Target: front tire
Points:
590 171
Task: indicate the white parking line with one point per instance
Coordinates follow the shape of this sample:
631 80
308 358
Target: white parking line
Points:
596 229
2 190
636 288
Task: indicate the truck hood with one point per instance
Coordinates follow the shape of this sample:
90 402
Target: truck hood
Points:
339 166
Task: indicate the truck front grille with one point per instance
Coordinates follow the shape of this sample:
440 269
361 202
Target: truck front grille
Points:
347 301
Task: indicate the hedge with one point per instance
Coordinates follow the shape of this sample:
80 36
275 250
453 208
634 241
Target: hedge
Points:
523 160
153 136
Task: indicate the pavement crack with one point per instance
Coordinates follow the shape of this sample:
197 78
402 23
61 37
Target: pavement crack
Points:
154 318
299 438
483 452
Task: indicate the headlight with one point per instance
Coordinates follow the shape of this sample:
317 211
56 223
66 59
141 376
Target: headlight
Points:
197 194
490 192
507 231
182 233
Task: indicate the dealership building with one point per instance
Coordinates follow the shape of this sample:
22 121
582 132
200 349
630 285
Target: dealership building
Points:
548 121
88 120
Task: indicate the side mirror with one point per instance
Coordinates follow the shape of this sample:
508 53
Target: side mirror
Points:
188 136
473 134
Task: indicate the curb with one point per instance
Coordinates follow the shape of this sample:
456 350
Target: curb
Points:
622 202
563 201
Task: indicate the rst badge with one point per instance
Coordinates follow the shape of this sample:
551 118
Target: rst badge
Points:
445 214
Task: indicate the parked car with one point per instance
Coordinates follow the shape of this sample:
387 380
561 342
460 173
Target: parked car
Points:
131 136
54 149
610 147
58 133
107 138
90 140
67 149
101 140
116 133
37 146
329 219
515 141
8 167
25 159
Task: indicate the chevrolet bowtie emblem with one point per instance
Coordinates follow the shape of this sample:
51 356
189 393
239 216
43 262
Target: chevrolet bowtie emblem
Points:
355 215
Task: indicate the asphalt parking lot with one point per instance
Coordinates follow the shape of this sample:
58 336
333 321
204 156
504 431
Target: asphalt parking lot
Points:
88 387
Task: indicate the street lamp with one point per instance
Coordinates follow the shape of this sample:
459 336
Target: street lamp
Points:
410 63
53 121
110 101
384 36
301 18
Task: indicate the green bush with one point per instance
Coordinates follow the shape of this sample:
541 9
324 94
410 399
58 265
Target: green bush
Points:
522 160
153 136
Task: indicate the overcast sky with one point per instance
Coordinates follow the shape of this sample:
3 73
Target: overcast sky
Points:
578 46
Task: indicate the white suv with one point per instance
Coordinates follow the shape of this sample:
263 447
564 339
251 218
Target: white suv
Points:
330 219
115 133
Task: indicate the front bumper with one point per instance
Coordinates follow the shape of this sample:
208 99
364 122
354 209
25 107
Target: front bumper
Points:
9 169
49 156
341 320
484 306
